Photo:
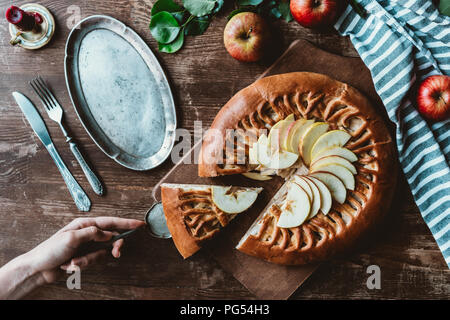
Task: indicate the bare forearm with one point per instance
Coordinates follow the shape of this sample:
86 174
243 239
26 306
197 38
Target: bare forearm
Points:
18 278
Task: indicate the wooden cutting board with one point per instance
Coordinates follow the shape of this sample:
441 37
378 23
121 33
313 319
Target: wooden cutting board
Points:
266 280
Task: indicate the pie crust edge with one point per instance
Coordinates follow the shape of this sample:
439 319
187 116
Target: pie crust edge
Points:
267 91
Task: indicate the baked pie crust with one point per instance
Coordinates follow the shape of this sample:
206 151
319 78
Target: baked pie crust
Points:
310 96
191 215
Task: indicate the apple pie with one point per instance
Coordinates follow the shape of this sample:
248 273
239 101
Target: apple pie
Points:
196 213
328 142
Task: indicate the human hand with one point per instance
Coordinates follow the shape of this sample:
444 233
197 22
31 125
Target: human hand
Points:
58 252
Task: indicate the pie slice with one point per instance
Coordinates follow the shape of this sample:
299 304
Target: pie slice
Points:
356 133
196 213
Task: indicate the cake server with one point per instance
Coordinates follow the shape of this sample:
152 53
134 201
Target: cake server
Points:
155 224
29 110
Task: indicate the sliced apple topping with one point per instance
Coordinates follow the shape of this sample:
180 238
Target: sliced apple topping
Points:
287 134
253 154
333 160
256 176
311 135
282 160
268 172
273 139
302 183
262 150
325 195
317 199
333 183
278 160
233 199
296 132
336 151
313 194
296 207
330 166
341 172
284 133
333 138
277 133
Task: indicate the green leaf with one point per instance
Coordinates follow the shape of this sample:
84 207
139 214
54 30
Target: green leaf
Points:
199 7
164 27
239 10
285 11
219 5
266 9
275 13
197 26
165 5
179 15
173 46
249 2
444 7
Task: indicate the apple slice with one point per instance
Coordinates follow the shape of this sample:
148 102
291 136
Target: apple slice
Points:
330 139
333 160
296 133
232 199
283 160
284 133
314 194
302 183
336 151
256 176
293 127
333 183
309 139
278 160
262 150
325 195
277 132
253 154
295 209
274 136
267 172
341 172
288 133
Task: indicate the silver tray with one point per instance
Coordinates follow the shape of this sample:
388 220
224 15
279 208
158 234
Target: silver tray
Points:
120 92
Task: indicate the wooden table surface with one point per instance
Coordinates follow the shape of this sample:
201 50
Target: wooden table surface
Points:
34 201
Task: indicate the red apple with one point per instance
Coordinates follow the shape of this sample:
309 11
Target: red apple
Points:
314 13
433 98
246 37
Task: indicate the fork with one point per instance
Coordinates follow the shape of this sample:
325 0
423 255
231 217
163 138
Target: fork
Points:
55 112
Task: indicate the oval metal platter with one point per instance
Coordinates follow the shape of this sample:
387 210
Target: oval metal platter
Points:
120 92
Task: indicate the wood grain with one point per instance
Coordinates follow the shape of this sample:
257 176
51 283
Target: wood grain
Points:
35 202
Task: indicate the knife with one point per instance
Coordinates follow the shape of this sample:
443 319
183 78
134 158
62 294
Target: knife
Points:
34 119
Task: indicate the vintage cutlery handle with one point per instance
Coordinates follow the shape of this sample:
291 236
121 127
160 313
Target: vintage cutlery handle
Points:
93 246
79 196
90 175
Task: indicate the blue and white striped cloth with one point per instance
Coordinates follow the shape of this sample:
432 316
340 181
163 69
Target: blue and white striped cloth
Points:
403 42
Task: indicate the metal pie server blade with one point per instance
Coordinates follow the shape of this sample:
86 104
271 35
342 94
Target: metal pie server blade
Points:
156 222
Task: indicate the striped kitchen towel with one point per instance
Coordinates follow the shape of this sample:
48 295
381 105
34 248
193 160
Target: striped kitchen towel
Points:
403 42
